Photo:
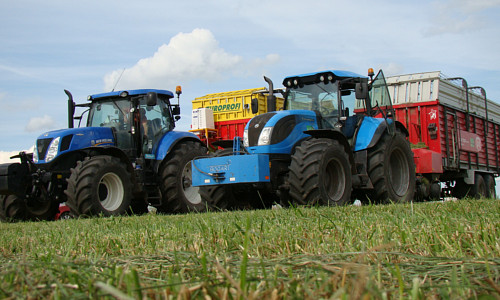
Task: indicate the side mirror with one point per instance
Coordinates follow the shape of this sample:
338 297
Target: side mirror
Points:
151 98
176 110
255 106
361 90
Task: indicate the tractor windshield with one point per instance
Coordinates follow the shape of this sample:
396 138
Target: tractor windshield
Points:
110 113
319 97
114 113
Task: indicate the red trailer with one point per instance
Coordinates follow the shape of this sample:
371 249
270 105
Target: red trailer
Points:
454 132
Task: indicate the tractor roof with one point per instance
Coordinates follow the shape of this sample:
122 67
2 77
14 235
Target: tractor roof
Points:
314 77
131 93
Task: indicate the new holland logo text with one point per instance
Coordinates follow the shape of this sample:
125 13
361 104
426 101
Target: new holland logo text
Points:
225 107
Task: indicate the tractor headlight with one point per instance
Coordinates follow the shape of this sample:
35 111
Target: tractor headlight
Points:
245 138
35 154
53 148
265 136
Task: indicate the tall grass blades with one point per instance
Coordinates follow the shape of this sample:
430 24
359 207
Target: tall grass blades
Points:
433 250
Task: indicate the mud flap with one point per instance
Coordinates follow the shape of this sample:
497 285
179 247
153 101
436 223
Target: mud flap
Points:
13 178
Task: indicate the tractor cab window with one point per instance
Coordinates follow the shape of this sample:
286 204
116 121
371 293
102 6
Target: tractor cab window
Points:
155 122
348 102
319 97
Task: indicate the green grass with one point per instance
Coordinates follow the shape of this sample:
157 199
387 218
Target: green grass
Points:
442 250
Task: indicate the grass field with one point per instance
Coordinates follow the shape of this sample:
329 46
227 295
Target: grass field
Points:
441 250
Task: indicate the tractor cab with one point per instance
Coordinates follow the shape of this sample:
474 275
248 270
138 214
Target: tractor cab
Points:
339 99
138 119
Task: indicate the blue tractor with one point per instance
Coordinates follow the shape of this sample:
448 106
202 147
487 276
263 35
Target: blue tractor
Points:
335 140
126 158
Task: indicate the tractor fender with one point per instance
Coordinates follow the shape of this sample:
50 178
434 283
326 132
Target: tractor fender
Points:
69 160
338 136
371 130
170 139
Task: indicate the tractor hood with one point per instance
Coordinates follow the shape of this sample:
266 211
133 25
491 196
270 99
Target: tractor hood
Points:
278 132
54 143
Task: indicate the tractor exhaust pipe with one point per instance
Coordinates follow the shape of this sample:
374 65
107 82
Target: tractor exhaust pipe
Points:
271 99
71 109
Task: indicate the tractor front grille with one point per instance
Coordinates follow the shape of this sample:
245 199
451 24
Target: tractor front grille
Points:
255 127
42 145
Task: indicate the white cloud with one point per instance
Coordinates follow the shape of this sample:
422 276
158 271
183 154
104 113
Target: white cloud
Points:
188 56
40 123
391 69
473 5
460 16
5 156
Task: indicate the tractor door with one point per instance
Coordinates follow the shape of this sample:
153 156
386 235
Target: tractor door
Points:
380 100
155 122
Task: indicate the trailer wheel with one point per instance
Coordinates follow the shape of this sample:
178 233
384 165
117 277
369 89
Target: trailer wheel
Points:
178 194
479 189
490 186
435 191
461 189
392 170
320 173
17 209
99 185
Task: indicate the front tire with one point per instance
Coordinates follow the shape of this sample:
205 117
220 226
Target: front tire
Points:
99 185
320 173
392 170
178 194
17 209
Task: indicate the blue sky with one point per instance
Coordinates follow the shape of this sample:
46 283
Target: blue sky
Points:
216 46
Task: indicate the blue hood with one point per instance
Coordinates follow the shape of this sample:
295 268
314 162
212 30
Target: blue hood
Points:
72 139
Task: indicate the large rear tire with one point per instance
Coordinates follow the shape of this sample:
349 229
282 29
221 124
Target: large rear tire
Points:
99 185
320 173
178 194
17 209
392 170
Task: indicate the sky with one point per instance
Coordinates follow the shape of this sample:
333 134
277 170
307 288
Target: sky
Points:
212 46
